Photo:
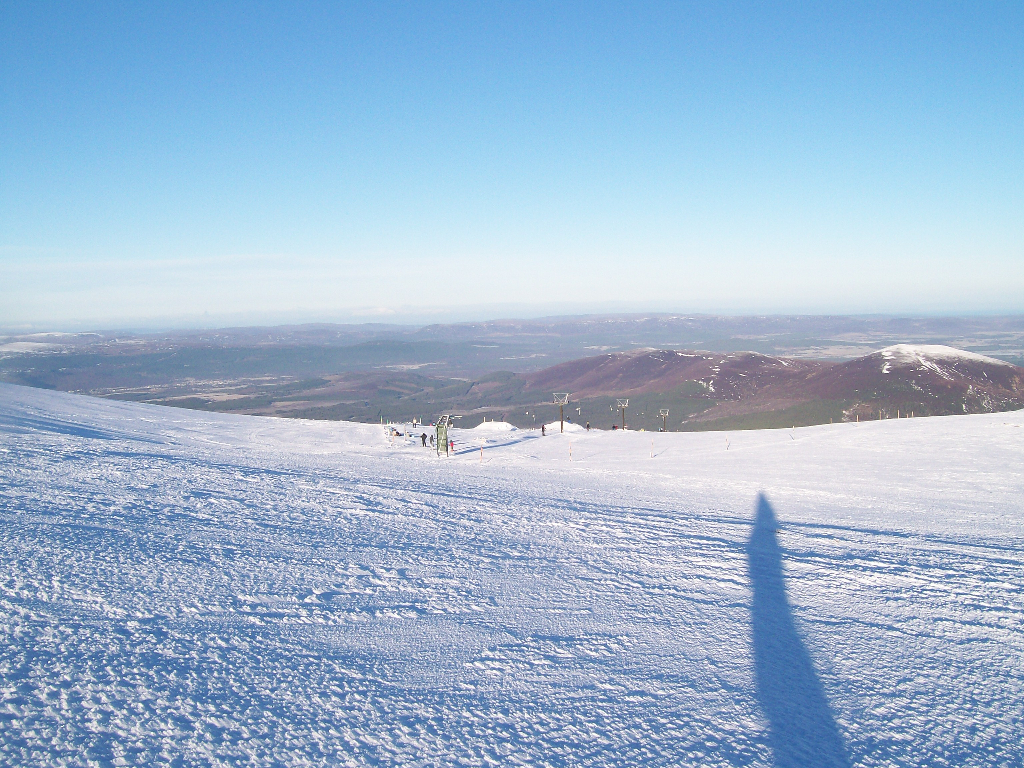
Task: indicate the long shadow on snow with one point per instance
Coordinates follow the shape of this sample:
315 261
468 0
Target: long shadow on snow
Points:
801 728
516 441
27 424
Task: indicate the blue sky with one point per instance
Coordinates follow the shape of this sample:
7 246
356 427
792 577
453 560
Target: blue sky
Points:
252 163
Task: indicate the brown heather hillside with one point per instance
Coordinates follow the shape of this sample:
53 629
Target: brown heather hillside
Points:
728 376
747 389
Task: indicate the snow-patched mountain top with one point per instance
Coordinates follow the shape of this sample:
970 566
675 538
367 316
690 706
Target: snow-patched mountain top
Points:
923 353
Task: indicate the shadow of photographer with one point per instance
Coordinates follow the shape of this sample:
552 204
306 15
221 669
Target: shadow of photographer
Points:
802 730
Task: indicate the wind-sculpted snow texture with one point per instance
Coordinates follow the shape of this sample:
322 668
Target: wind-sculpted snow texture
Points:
182 588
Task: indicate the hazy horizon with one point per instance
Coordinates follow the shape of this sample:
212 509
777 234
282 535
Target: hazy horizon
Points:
417 317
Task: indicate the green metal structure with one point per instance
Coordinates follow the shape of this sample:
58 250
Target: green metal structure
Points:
443 424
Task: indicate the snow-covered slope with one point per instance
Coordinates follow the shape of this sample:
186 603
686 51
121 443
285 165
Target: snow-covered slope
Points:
185 588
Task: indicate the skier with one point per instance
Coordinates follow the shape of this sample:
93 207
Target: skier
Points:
431 441
543 430
423 437
588 426
451 445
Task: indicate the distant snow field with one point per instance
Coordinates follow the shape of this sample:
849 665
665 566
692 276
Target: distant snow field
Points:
184 588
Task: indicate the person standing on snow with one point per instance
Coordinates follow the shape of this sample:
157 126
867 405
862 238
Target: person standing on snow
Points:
543 431
423 437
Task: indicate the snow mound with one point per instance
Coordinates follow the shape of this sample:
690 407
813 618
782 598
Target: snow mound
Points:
494 426
924 353
569 427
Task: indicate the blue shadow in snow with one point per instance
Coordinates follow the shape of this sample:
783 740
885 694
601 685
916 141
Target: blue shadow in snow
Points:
801 728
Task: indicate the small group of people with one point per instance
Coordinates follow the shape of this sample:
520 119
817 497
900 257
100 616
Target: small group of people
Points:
424 438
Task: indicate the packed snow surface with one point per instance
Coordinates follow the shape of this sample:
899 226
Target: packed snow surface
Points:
182 588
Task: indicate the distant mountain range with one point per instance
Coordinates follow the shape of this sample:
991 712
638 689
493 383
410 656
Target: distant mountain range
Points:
798 370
